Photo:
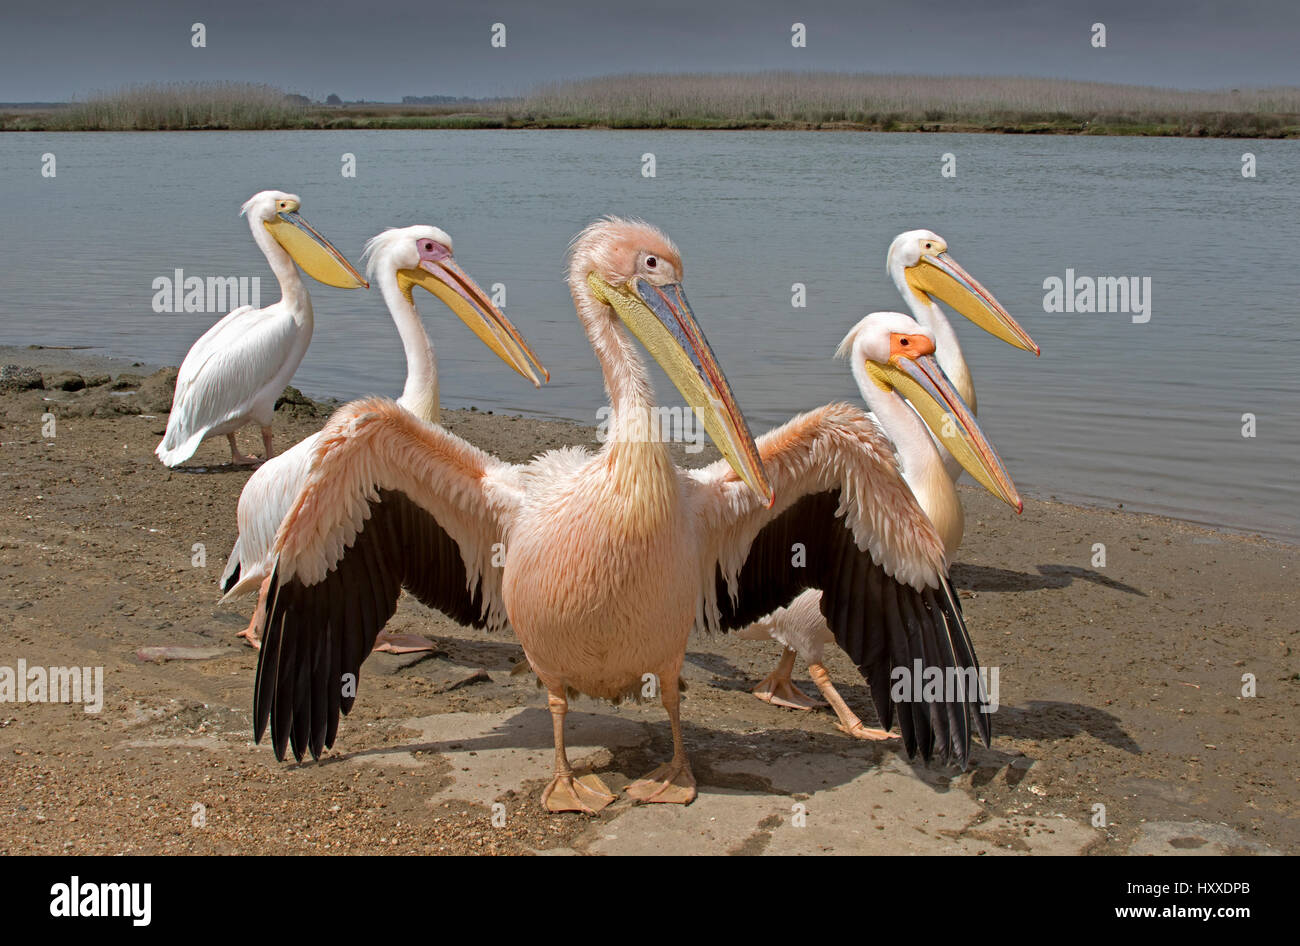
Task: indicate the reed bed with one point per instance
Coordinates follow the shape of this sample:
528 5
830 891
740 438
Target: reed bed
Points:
795 98
708 100
884 100
807 96
174 106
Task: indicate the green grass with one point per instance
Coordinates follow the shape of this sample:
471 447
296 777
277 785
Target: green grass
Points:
770 100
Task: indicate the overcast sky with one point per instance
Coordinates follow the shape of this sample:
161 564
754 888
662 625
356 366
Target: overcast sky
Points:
384 49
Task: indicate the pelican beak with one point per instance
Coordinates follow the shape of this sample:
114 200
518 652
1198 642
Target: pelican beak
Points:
940 276
465 297
315 254
662 319
920 379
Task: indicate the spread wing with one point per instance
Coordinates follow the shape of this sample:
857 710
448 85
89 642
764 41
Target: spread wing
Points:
846 523
390 503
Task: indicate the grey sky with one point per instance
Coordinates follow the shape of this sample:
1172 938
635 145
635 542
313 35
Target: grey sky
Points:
384 49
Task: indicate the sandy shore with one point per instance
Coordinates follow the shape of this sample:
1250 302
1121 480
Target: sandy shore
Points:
1120 686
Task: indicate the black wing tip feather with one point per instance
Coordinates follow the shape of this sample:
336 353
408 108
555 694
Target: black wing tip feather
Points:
231 581
315 636
882 624
261 682
928 626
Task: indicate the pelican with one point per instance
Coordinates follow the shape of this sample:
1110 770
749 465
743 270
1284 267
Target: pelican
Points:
604 562
922 269
920 266
238 368
397 261
892 386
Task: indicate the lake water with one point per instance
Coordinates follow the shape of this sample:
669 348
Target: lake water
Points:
1148 415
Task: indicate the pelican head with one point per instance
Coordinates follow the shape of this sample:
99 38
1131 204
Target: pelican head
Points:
278 212
634 270
421 256
918 261
897 354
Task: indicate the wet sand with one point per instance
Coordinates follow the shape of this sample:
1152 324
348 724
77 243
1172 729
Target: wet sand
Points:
1119 686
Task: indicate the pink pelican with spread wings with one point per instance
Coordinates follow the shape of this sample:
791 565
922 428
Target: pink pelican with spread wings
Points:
604 562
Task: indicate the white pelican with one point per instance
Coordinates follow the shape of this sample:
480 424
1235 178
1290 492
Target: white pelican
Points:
919 264
397 261
234 373
892 356
610 558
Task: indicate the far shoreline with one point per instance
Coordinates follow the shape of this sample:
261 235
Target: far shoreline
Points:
423 123
54 360
768 100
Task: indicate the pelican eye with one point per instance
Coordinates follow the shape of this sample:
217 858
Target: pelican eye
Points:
651 262
904 342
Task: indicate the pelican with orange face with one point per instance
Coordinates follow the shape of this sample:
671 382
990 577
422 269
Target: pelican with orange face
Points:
893 360
604 562
233 375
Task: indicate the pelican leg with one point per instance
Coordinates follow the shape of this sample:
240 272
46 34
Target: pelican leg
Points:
849 722
236 457
249 634
566 793
387 643
778 689
266 444
671 783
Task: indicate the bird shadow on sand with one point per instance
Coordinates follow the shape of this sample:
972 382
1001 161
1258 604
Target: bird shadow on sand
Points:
808 753
1040 720
988 578
496 656
1052 721
215 469
721 667
803 761
521 728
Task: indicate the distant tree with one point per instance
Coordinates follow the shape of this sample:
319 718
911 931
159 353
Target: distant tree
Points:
333 99
294 99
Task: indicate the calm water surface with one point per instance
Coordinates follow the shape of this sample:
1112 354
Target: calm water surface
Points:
1113 412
